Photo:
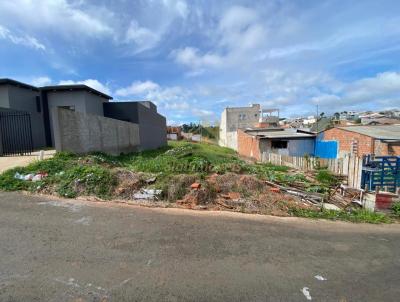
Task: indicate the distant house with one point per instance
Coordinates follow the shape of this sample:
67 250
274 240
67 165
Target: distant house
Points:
254 142
234 118
174 133
382 121
363 140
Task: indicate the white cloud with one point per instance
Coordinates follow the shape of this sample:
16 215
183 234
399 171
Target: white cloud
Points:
177 105
241 29
95 84
142 37
190 56
172 98
179 6
24 39
384 88
41 81
203 114
61 16
239 34
137 88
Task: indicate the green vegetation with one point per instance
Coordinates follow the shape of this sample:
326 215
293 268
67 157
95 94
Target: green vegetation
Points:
359 215
173 169
71 175
396 208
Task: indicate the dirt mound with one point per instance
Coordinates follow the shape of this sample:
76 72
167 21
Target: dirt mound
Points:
231 182
128 183
179 186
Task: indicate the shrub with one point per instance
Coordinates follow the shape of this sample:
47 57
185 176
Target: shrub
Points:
396 208
86 180
327 178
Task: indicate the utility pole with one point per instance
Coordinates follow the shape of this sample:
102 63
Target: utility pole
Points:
317 117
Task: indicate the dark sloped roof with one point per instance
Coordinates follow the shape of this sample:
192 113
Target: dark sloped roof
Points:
7 81
75 87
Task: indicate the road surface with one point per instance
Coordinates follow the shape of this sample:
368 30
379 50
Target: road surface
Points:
63 250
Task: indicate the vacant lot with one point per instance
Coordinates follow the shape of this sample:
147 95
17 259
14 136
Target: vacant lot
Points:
68 250
188 175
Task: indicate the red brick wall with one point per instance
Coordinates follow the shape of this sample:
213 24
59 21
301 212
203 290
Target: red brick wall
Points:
381 148
345 139
248 145
394 149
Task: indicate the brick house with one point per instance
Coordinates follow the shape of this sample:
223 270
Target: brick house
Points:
252 142
363 140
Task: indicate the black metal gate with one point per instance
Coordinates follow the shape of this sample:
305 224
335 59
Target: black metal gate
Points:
15 133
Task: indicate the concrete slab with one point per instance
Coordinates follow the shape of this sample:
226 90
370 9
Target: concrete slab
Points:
9 162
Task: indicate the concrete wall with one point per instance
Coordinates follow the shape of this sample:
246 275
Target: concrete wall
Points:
82 133
152 128
25 100
81 101
233 119
152 125
94 104
4 100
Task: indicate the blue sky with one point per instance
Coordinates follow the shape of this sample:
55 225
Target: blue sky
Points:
193 58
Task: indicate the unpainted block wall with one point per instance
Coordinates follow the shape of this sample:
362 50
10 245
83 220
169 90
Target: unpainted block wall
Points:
248 145
82 133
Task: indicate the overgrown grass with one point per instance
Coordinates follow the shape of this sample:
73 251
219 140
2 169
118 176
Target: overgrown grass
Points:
176 166
396 208
71 175
358 215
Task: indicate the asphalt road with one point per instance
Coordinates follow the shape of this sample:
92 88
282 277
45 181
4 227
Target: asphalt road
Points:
62 250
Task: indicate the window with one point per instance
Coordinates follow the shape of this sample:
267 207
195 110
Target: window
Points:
279 144
242 116
38 105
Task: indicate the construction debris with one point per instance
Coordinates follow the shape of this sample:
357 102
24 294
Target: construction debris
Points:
147 194
195 186
31 177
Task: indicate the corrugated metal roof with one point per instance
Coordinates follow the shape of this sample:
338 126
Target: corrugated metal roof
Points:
380 132
279 133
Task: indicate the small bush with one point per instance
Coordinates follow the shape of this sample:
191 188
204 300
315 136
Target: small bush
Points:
396 208
86 180
325 177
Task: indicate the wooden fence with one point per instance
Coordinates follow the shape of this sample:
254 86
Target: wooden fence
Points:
349 166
